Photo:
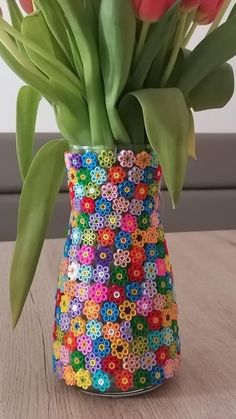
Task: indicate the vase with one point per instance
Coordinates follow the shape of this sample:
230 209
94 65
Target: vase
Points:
115 330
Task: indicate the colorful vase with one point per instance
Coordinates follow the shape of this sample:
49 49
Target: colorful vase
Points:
115 330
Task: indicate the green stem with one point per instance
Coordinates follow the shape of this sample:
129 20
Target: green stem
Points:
141 41
175 51
220 15
190 34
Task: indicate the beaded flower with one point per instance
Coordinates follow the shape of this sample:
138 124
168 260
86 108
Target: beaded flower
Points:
101 381
83 379
98 175
89 160
126 158
101 347
101 274
109 312
94 329
109 191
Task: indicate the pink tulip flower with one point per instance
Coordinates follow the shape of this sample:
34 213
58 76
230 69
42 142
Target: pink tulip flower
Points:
188 5
207 11
151 10
27 5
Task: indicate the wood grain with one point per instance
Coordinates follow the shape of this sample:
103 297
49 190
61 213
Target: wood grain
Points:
205 387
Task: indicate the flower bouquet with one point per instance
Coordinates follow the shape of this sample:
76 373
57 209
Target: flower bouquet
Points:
123 85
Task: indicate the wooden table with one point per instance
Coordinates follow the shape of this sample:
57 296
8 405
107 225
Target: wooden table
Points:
205 387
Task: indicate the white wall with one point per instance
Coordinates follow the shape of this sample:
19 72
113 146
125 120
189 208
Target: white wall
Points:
209 121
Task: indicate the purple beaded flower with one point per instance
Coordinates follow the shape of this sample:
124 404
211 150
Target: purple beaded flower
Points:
126 158
75 307
84 344
96 221
76 161
92 363
104 256
64 355
64 322
135 175
101 274
148 361
81 291
149 288
136 207
144 306
126 331
59 368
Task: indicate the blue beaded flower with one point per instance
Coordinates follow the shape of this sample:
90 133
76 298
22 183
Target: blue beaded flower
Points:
150 270
98 175
133 291
109 312
123 240
151 252
79 190
157 375
126 189
101 347
89 160
149 205
85 273
103 206
149 175
155 340
94 329
57 314
101 381
67 247
75 235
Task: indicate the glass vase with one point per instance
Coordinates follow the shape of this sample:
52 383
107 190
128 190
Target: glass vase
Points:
115 330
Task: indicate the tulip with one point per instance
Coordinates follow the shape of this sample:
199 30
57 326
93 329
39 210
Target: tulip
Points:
207 11
188 5
27 5
151 10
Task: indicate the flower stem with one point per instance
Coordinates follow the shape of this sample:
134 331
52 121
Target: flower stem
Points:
141 41
218 18
175 51
190 34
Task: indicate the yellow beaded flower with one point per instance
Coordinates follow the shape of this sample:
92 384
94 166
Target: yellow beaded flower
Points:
83 378
89 237
57 349
92 190
153 189
106 158
72 178
140 345
64 303
59 334
69 375
78 326
169 299
168 264
91 309
161 233
120 348
74 218
127 310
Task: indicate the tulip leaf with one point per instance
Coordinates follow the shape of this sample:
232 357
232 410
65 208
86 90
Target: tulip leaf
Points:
117 38
166 121
15 13
214 91
233 12
191 137
213 51
26 113
37 200
160 34
132 118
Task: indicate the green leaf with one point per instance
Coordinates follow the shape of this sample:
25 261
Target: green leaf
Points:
132 118
26 113
38 196
160 34
117 37
213 51
214 91
15 13
233 12
167 126
191 137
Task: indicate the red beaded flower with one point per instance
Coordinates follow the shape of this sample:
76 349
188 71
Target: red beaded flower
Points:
106 237
137 254
116 174
111 364
154 320
70 341
162 354
116 294
136 272
87 205
141 191
124 380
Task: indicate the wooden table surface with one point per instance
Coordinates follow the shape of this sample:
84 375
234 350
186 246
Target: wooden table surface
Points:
205 387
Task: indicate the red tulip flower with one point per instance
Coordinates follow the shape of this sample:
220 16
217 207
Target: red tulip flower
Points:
27 5
207 11
151 10
188 5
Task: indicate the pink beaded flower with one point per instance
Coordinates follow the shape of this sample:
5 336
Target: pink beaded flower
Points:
126 158
149 288
121 258
120 205
159 302
109 191
135 175
144 306
86 254
169 368
131 362
98 293
136 207
84 344
81 291
161 267
64 355
129 223
154 217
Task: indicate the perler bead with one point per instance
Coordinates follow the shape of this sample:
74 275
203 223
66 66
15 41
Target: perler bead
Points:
116 318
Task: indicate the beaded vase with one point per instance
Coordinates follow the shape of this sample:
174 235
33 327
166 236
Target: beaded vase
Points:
115 330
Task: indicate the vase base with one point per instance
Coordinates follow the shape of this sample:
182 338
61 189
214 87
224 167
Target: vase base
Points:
122 394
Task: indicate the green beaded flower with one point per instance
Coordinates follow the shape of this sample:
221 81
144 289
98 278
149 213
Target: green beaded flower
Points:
174 327
83 221
141 379
83 176
107 158
119 276
161 249
139 326
77 360
153 189
89 237
169 299
92 190
144 221
163 284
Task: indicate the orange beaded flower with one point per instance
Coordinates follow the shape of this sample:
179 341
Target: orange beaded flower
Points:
166 317
116 174
127 310
111 331
69 288
106 237
124 380
142 159
91 309
151 235
139 237
69 375
120 348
